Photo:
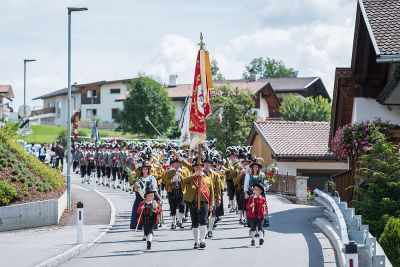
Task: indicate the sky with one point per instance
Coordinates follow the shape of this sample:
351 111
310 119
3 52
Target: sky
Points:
119 39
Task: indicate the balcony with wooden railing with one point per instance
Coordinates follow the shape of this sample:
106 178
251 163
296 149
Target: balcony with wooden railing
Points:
45 111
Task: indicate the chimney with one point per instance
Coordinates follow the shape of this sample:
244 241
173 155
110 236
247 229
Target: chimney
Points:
253 77
172 80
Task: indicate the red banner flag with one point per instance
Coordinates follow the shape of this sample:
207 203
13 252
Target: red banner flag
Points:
200 107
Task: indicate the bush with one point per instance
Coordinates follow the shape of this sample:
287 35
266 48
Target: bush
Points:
51 176
390 241
8 193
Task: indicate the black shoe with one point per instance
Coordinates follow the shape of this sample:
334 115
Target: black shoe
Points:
229 206
210 234
196 245
253 243
148 245
241 222
257 235
202 245
173 226
181 227
184 219
144 238
261 241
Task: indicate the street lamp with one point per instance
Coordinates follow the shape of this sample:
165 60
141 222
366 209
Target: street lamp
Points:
26 61
69 160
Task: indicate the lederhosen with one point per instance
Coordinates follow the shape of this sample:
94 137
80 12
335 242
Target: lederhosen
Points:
240 194
123 173
175 198
116 165
129 165
108 160
91 165
83 163
75 157
149 218
99 158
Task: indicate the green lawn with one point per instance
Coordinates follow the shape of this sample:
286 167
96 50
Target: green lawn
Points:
47 134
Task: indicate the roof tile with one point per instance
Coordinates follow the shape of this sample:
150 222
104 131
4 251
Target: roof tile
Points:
292 138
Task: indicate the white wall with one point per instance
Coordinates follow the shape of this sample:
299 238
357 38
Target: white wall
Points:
107 102
369 109
292 167
178 109
263 112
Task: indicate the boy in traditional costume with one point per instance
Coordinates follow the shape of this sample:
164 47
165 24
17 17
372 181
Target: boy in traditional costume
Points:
256 210
148 211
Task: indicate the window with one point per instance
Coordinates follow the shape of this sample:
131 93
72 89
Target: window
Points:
91 93
114 112
91 113
58 109
115 91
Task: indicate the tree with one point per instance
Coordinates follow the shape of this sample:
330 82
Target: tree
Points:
232 117
295 108
390 241
146 98
377 196
268 68
216 75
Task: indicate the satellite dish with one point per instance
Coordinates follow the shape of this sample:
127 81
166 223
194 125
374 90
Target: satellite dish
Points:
28 110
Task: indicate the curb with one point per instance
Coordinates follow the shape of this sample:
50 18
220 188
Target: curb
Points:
78 249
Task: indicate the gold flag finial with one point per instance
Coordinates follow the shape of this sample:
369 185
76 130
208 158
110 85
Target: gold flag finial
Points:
201 44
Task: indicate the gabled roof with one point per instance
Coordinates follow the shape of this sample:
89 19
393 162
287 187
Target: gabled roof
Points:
104 82
279 85
382 18
294 139
56 93
6 91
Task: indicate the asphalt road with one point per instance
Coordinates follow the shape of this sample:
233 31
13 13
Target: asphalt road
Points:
292 240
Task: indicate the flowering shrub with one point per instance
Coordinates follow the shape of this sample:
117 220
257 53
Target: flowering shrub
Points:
270 171
354 139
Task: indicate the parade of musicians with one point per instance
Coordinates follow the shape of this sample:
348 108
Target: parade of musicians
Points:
200 133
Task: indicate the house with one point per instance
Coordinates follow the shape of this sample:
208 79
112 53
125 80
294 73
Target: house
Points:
297 148
370 87
103 99
268 93
55 107
6 93
95 99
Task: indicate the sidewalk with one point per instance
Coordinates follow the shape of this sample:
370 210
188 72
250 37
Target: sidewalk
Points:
33 246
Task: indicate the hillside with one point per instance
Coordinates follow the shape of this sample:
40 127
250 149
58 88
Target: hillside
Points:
23 178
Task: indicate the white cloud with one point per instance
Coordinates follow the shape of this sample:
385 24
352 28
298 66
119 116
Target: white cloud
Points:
175 55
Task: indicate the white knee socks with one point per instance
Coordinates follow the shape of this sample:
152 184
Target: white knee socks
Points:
203 232
195 235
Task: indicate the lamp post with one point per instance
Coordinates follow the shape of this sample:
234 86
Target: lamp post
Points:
26 61
69 160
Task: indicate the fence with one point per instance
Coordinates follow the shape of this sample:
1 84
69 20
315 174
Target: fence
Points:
344 182
342 225
285 184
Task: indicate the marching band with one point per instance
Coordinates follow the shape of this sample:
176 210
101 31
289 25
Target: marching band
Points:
149 169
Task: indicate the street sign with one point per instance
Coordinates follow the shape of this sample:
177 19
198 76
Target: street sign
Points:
21 112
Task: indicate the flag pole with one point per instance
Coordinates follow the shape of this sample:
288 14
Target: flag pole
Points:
201 44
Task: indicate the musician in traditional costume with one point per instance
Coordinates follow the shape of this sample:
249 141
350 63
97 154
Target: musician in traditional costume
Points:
217 194
173 183
230 174
91 164
83 163
256 210
115 168
108 161
98 157
148 211
239 181
199 216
